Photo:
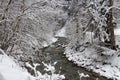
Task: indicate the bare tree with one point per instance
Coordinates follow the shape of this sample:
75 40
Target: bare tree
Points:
110 26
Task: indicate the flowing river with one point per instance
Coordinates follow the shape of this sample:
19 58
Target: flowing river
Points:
69 69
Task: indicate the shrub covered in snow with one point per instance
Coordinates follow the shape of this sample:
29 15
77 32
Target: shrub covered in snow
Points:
46 76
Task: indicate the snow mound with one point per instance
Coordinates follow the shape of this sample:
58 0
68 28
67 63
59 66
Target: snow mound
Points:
9 70
98 60
61 32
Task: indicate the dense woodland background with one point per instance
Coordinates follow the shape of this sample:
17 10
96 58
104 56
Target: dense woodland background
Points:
27 27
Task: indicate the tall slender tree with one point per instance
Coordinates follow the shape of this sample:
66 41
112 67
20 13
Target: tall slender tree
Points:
110 25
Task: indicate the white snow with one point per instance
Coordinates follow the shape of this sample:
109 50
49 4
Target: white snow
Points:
100 59
1 77
82 75
61 32
117 31
46 76
54 40
106 65
10 70
51 40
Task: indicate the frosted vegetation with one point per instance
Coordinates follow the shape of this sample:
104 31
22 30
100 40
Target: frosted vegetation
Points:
9 70
27 27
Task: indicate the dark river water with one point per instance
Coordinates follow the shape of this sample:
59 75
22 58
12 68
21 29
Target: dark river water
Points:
69 69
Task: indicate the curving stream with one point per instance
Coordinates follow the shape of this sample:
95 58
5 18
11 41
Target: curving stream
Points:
69 69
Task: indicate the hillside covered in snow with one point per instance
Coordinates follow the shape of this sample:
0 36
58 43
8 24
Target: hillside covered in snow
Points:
56 39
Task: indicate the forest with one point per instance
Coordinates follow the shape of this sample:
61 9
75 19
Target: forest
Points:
59 39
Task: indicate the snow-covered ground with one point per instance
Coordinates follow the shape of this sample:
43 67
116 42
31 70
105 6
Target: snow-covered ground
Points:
99 59
107 63
61 32
9 70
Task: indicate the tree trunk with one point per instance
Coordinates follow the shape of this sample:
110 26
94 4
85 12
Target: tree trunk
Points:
111 27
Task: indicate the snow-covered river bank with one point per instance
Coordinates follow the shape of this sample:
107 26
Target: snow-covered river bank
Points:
69 69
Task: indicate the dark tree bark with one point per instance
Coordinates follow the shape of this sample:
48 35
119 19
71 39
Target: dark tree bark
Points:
110 26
